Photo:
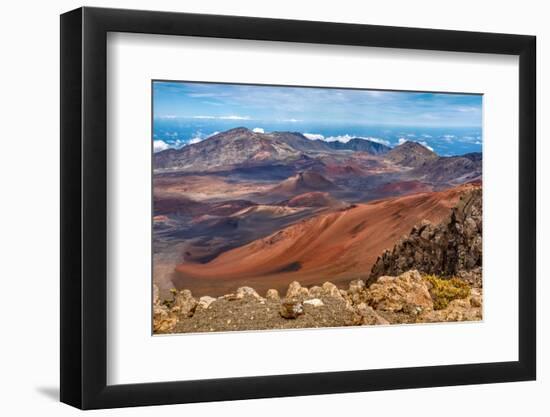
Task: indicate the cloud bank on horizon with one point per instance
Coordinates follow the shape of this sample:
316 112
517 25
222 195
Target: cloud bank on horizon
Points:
293 104
315 112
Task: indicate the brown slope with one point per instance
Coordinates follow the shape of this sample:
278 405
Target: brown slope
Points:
450 170
410 154
338 246
302 182
313 199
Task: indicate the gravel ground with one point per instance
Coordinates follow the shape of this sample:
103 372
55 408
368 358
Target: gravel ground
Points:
250 313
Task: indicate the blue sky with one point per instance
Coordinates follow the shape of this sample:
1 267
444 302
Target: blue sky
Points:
203 101
186 113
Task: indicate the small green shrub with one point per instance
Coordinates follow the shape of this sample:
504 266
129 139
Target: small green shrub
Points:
444 291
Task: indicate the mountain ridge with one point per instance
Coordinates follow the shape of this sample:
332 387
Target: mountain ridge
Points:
243 147
362 145
411 154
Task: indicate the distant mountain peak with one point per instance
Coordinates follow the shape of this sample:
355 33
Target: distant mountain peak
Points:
410 145
240 129
411 154
302 182
359 144
238 147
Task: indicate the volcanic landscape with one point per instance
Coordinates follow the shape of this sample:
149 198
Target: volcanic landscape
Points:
244 208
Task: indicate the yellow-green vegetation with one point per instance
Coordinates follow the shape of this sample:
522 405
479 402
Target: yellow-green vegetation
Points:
444 291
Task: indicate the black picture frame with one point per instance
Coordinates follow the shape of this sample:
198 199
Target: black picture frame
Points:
84 207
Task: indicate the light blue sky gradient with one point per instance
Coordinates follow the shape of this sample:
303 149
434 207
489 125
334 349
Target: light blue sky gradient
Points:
205 101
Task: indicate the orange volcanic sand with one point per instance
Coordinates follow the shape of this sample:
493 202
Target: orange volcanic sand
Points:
338 246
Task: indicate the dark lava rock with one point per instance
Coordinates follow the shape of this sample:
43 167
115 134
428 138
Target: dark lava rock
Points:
447 249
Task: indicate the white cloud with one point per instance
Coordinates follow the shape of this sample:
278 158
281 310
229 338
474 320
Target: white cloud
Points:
199 137
378 140
314 136
476 140
160 145
291 120
426 136
448 138
234 118
258 130
344 138
230 117
425 144
194 140
467 109
401 141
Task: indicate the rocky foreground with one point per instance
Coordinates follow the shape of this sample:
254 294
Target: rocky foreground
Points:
407 298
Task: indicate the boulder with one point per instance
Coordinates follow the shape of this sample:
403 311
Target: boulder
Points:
316 291
356 292
183 303
315 302
243 292
407 293
367 315
204 302
163 319
331 290
356 286
476 299
291 309
272 294
295 290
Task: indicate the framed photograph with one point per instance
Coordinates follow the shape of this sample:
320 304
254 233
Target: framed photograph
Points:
258 208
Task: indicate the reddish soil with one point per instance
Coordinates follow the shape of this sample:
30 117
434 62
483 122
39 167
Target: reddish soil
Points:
338 246
402 187
313 199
